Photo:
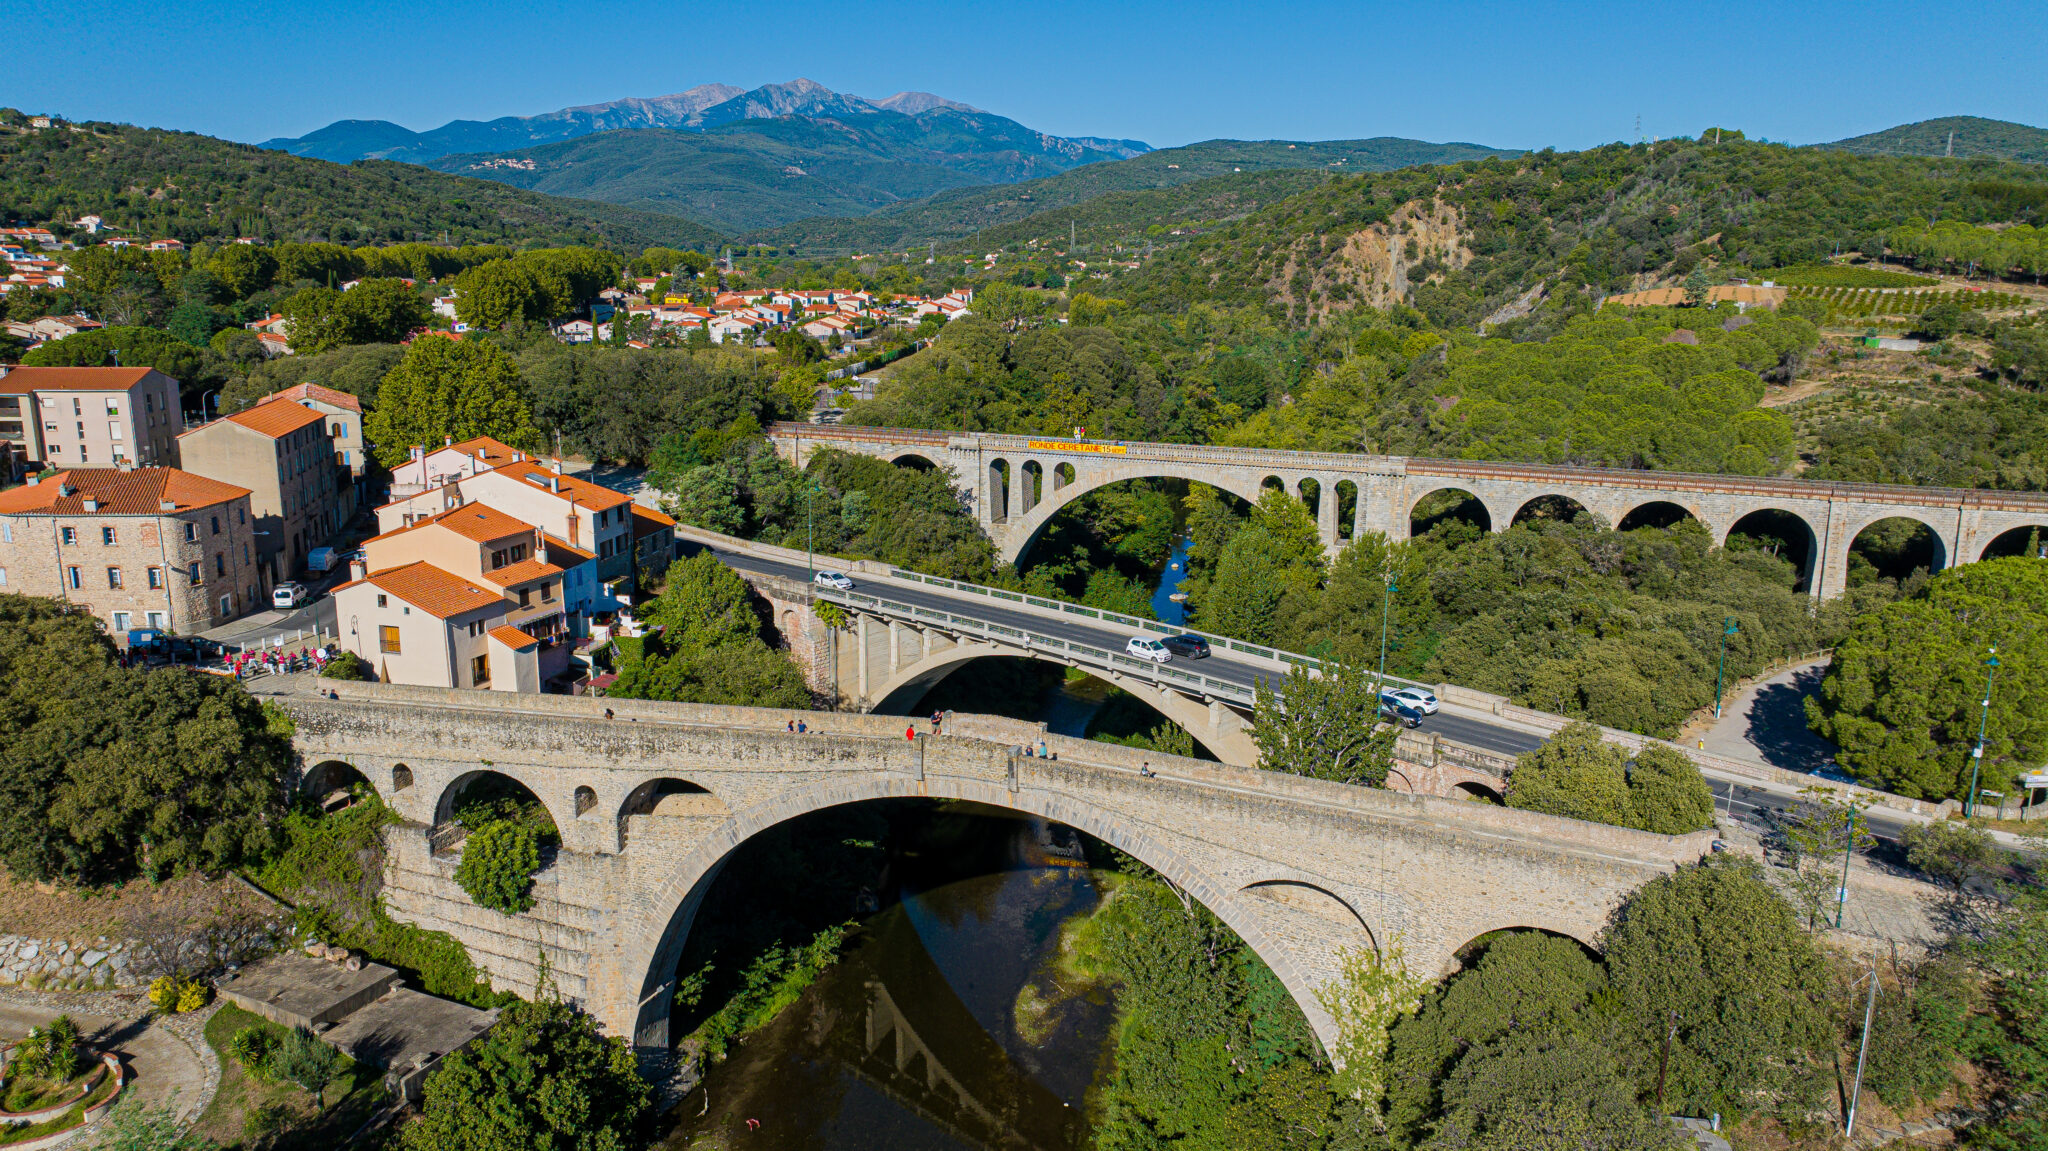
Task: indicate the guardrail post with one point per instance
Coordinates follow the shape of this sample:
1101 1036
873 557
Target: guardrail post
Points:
920 761
1013 773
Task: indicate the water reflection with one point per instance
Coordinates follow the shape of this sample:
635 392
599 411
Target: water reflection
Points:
943 1026
1170 578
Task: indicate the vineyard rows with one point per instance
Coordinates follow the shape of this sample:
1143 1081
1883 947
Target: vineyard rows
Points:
1854 303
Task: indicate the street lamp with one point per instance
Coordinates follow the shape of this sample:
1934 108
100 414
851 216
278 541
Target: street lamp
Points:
1848 849
1386 604
1983 718
1728 628
810 529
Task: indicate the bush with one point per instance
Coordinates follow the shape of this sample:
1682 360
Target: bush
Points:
176 995
302 1058
498 864
49 1052
250 1047
348 665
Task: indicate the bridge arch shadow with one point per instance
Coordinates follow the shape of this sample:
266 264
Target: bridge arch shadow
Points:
1778 532
1444 505
1895 548
330 775
1469 953
1310 899
915 461
473 790
665 798
2029 540
1556 508
653 952
1655 514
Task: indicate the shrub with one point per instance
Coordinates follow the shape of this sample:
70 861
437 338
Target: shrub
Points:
50 1051
193 996
176 995
250 1047
302 1058
348 665
498 864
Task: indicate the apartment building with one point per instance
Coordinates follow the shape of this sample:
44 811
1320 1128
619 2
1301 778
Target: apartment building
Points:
575 511
344 415
92 417
137 547
541 576
418 624
281 452
450 461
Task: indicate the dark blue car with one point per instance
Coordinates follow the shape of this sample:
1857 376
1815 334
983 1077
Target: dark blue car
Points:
1394 711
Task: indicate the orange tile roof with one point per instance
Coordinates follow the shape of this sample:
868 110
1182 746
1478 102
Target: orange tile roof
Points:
73 379
525 571
512 637
438 593
141 491
647 521
274 417
578 491
302 392
496 452
482 523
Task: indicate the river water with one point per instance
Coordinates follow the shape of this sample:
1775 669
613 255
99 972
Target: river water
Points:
1170 578
945 1024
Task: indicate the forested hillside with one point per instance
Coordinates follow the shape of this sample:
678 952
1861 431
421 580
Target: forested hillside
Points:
192 187
1966 137
1247 172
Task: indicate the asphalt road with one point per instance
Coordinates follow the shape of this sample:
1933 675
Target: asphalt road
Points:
1079 629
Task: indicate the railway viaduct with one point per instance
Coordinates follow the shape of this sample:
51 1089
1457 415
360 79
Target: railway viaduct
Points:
654 800
1017 483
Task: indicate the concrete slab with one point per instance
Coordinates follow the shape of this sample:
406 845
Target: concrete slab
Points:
406 1028
296 990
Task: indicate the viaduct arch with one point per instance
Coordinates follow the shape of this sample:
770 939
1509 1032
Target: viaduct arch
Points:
1301 869
1386 489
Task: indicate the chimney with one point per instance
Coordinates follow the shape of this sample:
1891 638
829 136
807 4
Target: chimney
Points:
519 457
357 569
419 451
167 505
558 465
540 546
447 441
66 489
555 483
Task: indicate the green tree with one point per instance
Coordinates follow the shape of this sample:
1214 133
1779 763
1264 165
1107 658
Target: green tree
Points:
1575 774
2013 953
131 347
375 311
1545 1092
443 387
501 293
1371 994
544 1079
1712 957
195 322
1324 726
1903 697
1667 793
245 269
1950 853
704 603
499 860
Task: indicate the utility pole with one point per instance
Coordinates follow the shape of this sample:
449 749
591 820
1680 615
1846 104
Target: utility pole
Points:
1983 719
1386 604
1862 1052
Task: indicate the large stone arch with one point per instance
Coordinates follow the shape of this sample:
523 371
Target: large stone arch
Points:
648 953
1944 543
1024 530
922 461
561 808
2011 539
1222 734
1656 512
1495 520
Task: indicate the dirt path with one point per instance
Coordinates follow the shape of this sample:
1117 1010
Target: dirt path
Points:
162 1064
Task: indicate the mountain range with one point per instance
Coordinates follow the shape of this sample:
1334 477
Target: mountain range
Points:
1966 137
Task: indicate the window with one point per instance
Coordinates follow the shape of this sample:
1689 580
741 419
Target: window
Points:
387 639
3 577
156 619
78 409
220 563
241 515
216 525
547 593
381 601
476 628
156 577
71 576
114 578
245 551
195 573
113 429
7 532
227 605
84 456
525 597
113 406
69 535
121 620
191 532
81 429
107 536
480 671
149 402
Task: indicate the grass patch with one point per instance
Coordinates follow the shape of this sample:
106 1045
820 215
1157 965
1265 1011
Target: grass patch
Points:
64 1122
251 1110
1845 276
774 980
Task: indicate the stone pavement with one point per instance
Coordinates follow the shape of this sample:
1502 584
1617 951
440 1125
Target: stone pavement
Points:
166 1057
1765 722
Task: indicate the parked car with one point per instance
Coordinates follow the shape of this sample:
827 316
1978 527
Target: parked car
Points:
1145 647
289 595
834 580
1394 711
1191 646
1418 698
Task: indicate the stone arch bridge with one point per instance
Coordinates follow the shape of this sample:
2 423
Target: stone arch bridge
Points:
653 802
1017 483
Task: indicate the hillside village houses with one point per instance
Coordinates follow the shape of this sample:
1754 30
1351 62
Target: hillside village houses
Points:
135 546
283 453
69 417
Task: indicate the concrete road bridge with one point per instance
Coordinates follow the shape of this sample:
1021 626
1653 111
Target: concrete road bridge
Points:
1016 484
652 803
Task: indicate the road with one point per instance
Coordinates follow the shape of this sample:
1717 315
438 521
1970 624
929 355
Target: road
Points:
1748 801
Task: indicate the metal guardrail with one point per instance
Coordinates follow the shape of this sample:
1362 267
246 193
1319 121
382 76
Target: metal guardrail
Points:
1130 621
1165 675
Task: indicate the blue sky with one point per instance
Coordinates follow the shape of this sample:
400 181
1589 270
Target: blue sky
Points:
1566 74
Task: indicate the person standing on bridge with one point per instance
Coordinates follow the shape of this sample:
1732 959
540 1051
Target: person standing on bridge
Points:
937 718
910 733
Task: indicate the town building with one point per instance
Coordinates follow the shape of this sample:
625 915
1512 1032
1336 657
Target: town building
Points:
417 624
580 513
344 415
87 417
451 460
136 547
654 543
282 453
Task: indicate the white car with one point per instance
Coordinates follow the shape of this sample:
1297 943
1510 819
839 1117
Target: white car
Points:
1416 698
833 580
289 595
1144 647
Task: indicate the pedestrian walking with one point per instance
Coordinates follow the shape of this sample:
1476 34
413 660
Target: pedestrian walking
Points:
800 728
607 713
910 733
1041 749
937 718
790 727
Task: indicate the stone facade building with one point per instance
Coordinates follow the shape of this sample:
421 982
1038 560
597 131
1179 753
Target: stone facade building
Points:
141 547
92 417
282 452
344 415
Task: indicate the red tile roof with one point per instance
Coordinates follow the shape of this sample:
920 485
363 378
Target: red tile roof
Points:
303 392
434 591
647 521
482 523
577 491
274 417
512 637
141 491
72 379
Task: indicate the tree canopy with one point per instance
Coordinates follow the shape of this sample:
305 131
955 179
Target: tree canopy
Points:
447 387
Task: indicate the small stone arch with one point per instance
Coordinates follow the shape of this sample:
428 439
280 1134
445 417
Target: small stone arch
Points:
1309 490
1656 514
586 798
1347 509
1553 506
1272 484
1062 475
1310 899
1896 545
401 777
670 797
2029 540
331 775
484 783
1440 504
1469 952
1034 485
998 490
1476 792
1781 533
916 461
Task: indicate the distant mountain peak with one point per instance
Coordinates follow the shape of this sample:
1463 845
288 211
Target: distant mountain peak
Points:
1963 137
911 103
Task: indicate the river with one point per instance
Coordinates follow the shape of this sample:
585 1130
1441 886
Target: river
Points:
945 1024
